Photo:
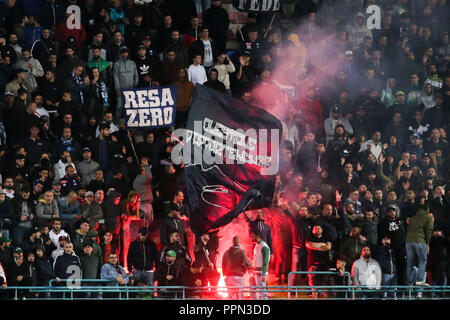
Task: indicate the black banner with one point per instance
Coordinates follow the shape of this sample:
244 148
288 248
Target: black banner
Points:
257 5
230 163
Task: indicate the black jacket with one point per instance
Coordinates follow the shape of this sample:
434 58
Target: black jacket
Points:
111 212
142 255
62 264
302 228
171 224
387 259
44 268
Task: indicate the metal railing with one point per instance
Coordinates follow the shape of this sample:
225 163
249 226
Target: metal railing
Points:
308 289
96 289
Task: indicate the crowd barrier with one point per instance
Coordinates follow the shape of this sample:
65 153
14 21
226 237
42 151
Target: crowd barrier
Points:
89 289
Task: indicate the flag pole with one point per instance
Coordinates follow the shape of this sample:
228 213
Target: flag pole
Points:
270 25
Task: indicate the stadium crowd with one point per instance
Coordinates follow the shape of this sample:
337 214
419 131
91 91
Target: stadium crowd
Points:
363 181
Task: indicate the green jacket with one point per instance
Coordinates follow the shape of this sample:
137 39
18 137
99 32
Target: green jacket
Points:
90 265
101 64
420 227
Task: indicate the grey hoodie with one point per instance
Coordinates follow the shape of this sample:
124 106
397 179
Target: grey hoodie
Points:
427 99
330 124
142 185
357 34
125 74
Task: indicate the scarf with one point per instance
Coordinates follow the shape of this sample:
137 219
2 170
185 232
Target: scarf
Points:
78 82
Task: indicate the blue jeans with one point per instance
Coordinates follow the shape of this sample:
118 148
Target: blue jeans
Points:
234 281
416 251
256 281
143 276
389 280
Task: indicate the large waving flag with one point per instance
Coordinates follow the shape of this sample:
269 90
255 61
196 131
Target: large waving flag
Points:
231 158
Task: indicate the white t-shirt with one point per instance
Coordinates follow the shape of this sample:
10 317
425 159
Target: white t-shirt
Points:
197 74
208 60
42 112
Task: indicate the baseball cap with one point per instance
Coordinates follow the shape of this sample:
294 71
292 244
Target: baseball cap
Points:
9 93
399 93
55 182
392 208
62 238
89 193
141 47
86 244
336 109
146 37
171 253
34 230
143 231
86 149
348 53
20 70
5 239
103 125
123 48
18 250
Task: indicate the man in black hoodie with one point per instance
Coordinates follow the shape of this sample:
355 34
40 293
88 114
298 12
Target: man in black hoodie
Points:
44 266
213 82
217 21
111 211
142 258
43 47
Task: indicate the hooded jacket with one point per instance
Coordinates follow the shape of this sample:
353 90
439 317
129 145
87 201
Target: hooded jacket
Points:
420 227
357 34
185 91
44 211
35 71
235 262
143 185
44 268
214 84
42 49
427 99
330 125
111 211
125 74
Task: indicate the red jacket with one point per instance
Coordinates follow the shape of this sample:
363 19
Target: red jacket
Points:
62 33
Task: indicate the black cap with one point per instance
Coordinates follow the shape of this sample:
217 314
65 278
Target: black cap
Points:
86 244
143 231
86 149
336 109
34 230
103 125
20 70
